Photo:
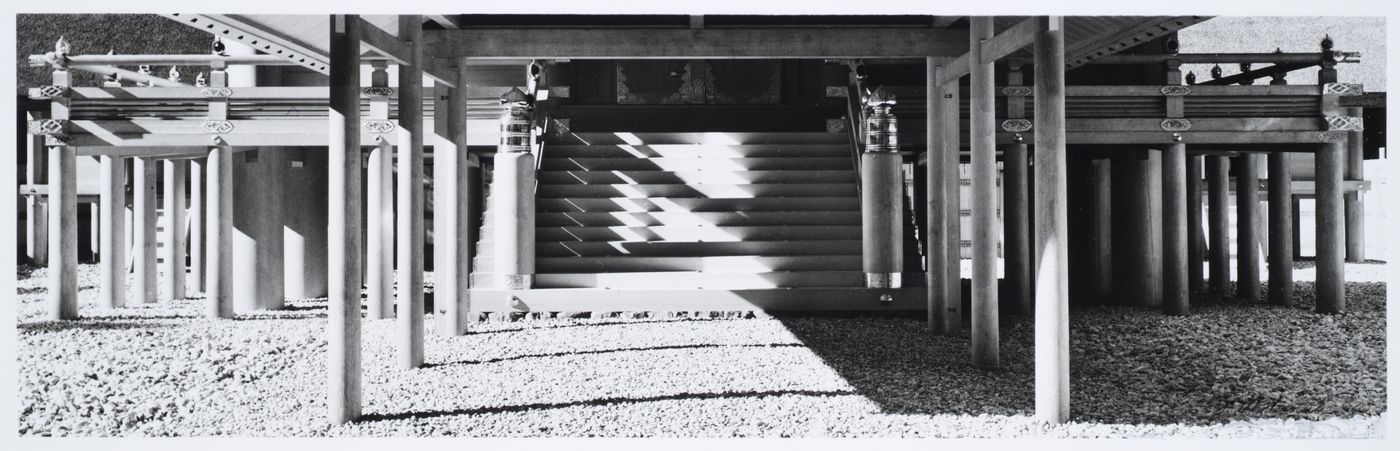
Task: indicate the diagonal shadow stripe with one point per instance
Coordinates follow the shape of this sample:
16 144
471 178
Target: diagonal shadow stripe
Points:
600 402
609 351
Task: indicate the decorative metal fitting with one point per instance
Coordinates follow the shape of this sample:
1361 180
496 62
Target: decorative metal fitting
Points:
1190 78
881 127
1018 138
216 92
1348 123
883 280
200 82
174 74
378 127
61 47
835 91
1016 125
48 127
1016 90
378 91
1332 136
516 131
1171 90
216 127
1176 125
886 299
517 281
48 92
1176 137
1342 89
1216 72
1326 42
1173 46
218 47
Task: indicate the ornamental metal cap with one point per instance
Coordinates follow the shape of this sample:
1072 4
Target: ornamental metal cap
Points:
879 97
1190 78
173 75
1215 72
1326 42
218 47
61 48
199 81
515 96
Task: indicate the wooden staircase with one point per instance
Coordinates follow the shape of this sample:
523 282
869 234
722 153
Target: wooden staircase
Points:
694 221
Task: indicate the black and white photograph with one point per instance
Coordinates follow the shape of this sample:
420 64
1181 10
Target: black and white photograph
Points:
698 221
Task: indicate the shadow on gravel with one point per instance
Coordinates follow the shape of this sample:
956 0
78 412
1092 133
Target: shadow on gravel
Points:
605 351
102 324
596 402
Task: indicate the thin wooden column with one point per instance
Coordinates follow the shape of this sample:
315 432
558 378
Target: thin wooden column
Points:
985 334
1051 227
343 227
36 240
449 219
410 215
1247 227
1195 229
1016 221
936 207
63 233
1103 228
172 282
1280 230
379 237
143 204
113 239
952 220
1216 179
195 283
1176 293
1352 200
1331 239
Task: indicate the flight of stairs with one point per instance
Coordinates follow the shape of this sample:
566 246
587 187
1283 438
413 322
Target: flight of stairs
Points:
695 211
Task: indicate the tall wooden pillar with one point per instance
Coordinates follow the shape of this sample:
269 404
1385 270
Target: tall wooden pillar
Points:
257 242
1331 283
218 250
343 228
172 282
1216 179
985 334
881 183
1247 227
1102 177
1352 200
1051 228
952 220
410 215
1195 229
379 237
113 243
1176 293
63 233
936 206
1280 230
195 283
144 207
37 214
1016 221
1137 231
513 177
449 227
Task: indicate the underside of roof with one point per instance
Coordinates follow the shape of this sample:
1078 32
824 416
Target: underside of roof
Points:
304 39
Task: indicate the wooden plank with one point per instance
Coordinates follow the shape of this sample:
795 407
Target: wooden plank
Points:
1051 227
826 43
193 93
1194 90
954 70
1011 40
1176 294
1280 231
1250 124
1331 278
343 229
986 336
165 60
409 335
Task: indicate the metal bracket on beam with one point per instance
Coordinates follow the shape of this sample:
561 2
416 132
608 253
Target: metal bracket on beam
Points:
216 92
1343 89
380 127
216 127
1348 123
1016 125
49 127
1176 90
48 92
378 91
1176 125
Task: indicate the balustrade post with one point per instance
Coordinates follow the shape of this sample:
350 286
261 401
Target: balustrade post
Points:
880 207
513 194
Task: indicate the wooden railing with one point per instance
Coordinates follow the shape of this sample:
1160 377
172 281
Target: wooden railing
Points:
855 118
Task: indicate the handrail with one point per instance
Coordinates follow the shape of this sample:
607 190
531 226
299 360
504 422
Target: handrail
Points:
855 119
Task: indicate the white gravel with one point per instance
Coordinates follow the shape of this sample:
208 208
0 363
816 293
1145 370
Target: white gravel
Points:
161 370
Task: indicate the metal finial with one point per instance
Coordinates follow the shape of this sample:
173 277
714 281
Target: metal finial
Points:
62 47
113 77
111 51
1190 78
515 96
878 97
218 47
534 70
1244 67
174 74
1215 72
1173 45
199 81
1326 42
144 69
1278 49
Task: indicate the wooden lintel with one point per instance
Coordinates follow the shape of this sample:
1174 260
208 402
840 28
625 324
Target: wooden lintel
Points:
955 69
448 21
165 153
944 21
596 43
383 43
1010 40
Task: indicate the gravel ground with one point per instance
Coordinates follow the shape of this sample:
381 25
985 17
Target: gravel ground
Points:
1230 370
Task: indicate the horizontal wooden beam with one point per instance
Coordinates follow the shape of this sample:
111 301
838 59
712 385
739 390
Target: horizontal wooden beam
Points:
1223 58
477 97
1241 124
179 60
825 43
955 69
1011 39
383 43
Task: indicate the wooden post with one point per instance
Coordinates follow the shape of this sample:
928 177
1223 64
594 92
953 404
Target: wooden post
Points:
63 233
218 251
513 179
936 204
985 335
1137 239
113 251
1195 228
1176 294
449 227
1016 222
1297 228
1051 228
1280 230
194 284
1331 281
880 206
1216 179
144 208
172 283
1103 228
270 250
1352 200
379 248
410 216
1247 227
952 220
36 173
343 227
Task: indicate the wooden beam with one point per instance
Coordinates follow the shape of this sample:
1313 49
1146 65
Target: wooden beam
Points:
1259 73
986 337
382 42
1051 243
175 60
823 43
954 70
1280 230
952 246
1011 40
1331 240
343 227
1353 202
409 337
448 21
945 21
449 221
